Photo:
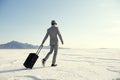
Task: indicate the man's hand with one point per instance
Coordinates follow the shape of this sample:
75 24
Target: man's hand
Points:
62 42
41 45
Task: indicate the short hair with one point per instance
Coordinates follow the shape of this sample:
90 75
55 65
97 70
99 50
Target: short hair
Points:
53 22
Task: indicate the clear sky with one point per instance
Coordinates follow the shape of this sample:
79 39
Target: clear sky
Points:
82 23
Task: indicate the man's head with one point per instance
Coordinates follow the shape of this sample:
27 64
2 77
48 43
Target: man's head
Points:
53 22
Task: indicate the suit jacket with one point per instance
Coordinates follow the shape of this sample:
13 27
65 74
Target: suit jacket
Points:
53 32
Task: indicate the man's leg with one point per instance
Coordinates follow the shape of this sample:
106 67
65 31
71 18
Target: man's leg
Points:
47 56
51 50
55 54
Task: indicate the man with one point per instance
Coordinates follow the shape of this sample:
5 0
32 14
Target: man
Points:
53 31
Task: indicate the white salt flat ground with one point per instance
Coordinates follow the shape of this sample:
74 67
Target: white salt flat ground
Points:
73 64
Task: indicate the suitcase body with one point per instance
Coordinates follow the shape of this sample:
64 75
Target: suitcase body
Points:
30 61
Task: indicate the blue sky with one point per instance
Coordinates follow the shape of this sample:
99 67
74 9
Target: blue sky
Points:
82 23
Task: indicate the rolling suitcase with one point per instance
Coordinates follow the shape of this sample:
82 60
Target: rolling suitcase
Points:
32 58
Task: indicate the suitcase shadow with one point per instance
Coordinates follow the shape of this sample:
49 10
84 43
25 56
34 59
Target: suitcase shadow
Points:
21 69
12 70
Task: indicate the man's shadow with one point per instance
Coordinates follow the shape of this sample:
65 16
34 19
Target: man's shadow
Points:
20 69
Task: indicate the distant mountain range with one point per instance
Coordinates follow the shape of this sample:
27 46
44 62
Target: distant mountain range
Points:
20 45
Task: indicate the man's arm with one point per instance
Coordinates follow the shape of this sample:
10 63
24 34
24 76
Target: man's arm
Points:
60 36
46 36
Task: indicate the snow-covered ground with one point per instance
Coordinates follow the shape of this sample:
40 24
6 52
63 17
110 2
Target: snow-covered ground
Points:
73 64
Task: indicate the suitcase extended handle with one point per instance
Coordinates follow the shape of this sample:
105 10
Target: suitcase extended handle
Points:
39 49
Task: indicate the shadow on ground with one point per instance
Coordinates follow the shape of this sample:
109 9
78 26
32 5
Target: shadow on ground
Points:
20 69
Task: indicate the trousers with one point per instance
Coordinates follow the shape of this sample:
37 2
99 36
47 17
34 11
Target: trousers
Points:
55 49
